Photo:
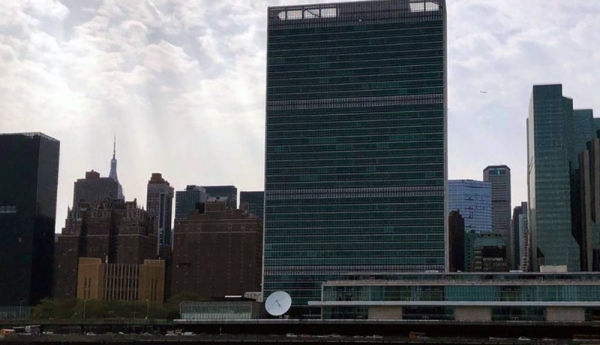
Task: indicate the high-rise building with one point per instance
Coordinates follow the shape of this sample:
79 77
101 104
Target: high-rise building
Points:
517 237
473 199
499 177
253 203
218 252
222 193
159 204
94 188
28 186
188 200
456 237
113 231
555 134
355 142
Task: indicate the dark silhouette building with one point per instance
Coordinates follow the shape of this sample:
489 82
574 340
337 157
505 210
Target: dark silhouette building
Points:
114 231
218 252
588 205
159 204
253 203
188 200
28 186
222 192
456 231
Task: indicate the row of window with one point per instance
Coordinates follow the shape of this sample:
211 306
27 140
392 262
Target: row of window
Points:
349 40
292 222
356 184
408 258
326 93
328 80
324 67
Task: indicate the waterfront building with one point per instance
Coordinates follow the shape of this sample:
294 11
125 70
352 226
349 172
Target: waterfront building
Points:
159 204
355 142
222 193
499 177
253 203
218 252
467 297
473 199
555 134
28 187
588 235
188 200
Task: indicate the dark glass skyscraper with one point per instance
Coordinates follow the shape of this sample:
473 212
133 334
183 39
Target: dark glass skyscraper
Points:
555 135
355 142
229 192
28 184
187 200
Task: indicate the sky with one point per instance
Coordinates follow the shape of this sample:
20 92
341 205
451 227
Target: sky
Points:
182 84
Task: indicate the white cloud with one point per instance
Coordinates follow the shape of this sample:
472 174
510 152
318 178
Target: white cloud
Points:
182 83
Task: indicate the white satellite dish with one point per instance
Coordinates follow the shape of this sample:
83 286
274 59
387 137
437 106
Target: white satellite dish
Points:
278 303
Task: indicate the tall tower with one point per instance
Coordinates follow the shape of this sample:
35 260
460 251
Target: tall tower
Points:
113 169
499 177
28 187
355 143
555 134
159 204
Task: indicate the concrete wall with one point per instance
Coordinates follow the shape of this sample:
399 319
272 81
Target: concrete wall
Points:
90 279
473 314
557 314
385 313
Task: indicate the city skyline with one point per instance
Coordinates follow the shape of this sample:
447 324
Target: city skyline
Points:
166 73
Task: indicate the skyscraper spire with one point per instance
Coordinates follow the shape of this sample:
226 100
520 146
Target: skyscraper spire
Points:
113 168
113 162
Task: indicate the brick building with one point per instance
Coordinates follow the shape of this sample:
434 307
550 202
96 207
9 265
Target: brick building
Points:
218 252
112 232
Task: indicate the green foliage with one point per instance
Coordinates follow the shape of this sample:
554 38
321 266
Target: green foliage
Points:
96 309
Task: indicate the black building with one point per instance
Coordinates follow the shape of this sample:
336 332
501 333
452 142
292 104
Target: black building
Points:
187 200
28 185
229 192
253 202
456 231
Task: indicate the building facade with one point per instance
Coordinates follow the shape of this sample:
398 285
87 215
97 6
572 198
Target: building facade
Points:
555 133
473 199
159 204
253 203
467 297
97 280
499 177
219 252
114 232
28 188
456 237
187 200
355 142
485 252
222 193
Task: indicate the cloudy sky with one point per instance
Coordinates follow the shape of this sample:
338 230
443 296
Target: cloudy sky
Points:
182 83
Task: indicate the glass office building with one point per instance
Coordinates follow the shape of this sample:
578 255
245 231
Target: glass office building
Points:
355 142
28 187
555 134
473 199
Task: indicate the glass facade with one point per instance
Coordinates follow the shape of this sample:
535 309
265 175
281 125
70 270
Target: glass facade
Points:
355 142
28 187
555 134
255 202
509 296
473 199
187 200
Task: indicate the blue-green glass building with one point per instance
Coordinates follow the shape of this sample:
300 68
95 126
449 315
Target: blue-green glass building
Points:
556 134
355 142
